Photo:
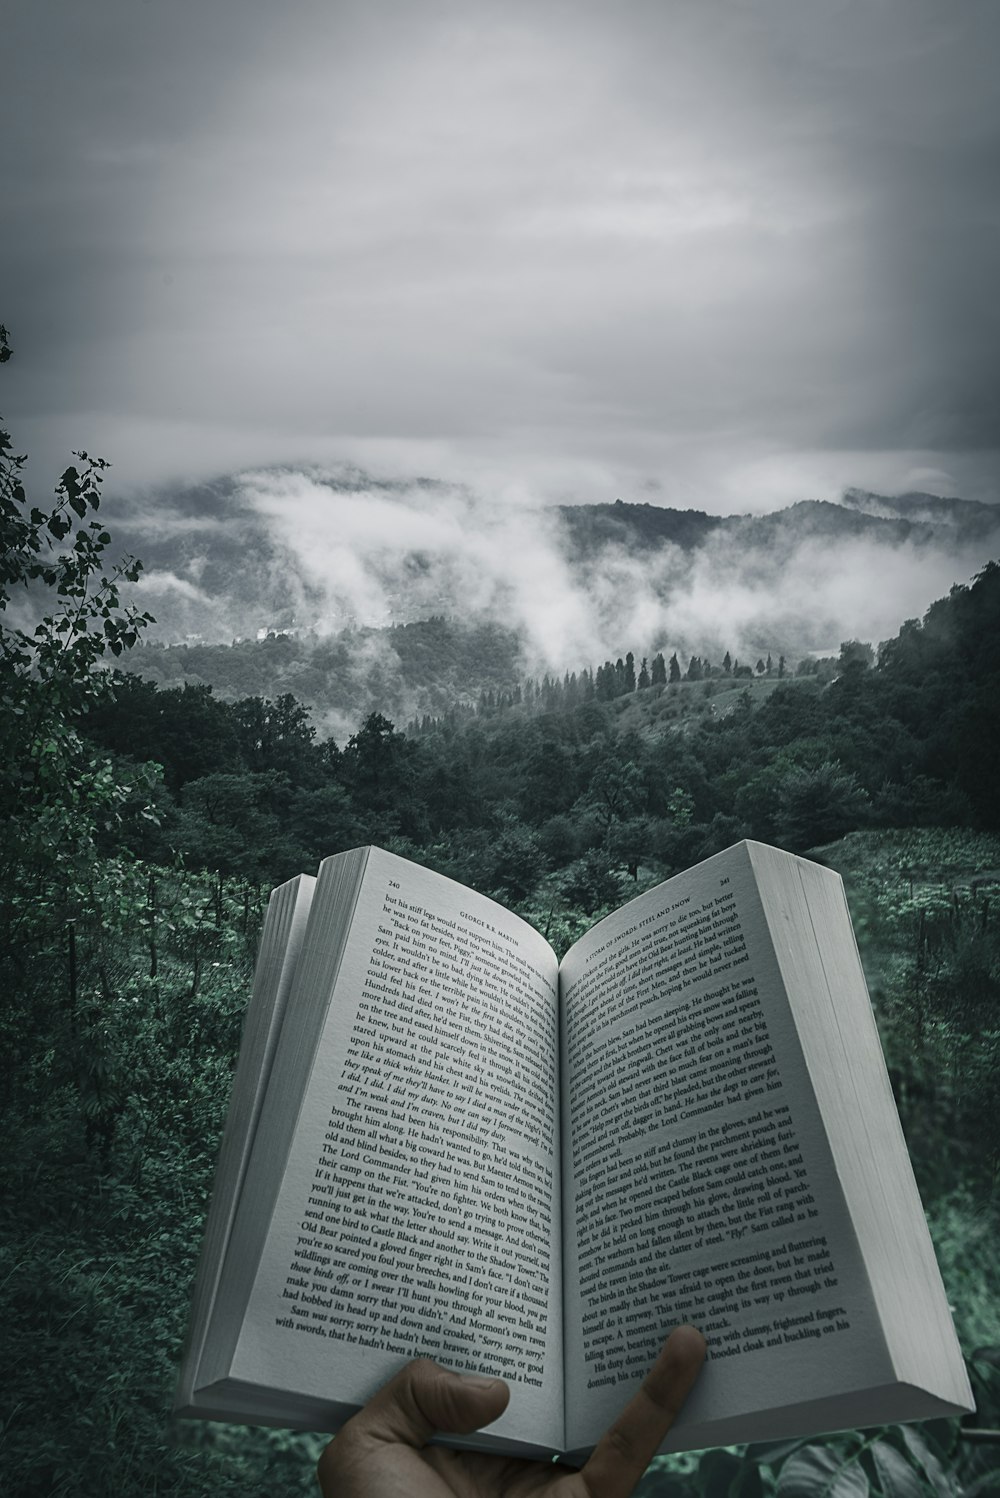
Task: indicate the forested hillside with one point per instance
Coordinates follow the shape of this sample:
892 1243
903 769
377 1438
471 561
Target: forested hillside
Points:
547 781
145 825
408 670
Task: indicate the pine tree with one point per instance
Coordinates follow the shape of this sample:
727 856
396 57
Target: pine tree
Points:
727 664
643 675
659 676
675 669
630 672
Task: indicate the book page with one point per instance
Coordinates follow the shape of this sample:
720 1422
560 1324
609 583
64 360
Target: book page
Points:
826 985
698 1182
280 945
419 1214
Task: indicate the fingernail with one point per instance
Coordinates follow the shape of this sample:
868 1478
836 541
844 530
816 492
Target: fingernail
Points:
477 1381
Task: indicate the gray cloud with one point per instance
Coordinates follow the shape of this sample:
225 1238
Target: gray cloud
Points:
722 254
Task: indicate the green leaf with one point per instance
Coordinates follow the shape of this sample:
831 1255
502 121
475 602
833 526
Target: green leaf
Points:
942 1435
749 1483
717 1471
921 1452
821 1472
897 1478
984 1486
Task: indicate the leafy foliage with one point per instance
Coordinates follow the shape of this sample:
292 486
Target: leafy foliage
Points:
894 1461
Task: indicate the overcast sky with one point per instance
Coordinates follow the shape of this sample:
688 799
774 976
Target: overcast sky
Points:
706 253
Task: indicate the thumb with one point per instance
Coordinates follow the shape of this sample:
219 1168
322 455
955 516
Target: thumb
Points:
424 1398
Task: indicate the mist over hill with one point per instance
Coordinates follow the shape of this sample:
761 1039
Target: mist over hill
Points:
321 551
339 561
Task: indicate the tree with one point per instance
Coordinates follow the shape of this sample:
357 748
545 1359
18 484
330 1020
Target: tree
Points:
857 654
235 824
643 675
322 820
551 780
629 672
57 797
629 842
274 735
659 672
614 789
187 730
514 862
675 669
378 767
590 883
727 663
818 804
680 806
48 675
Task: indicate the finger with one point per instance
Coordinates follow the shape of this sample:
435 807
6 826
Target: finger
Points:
424 1398
625 1451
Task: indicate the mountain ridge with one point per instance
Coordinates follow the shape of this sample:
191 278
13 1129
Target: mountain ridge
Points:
288 548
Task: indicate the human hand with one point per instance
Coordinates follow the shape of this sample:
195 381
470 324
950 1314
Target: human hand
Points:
382 1451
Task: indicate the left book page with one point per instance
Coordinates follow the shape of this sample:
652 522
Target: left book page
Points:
277 959
410 1207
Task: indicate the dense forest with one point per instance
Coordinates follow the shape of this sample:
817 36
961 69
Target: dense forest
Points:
145 826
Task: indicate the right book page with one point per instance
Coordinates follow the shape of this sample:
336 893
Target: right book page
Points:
699 1183
814 944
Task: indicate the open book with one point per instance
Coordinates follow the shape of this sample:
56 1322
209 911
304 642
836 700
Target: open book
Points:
442 1142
